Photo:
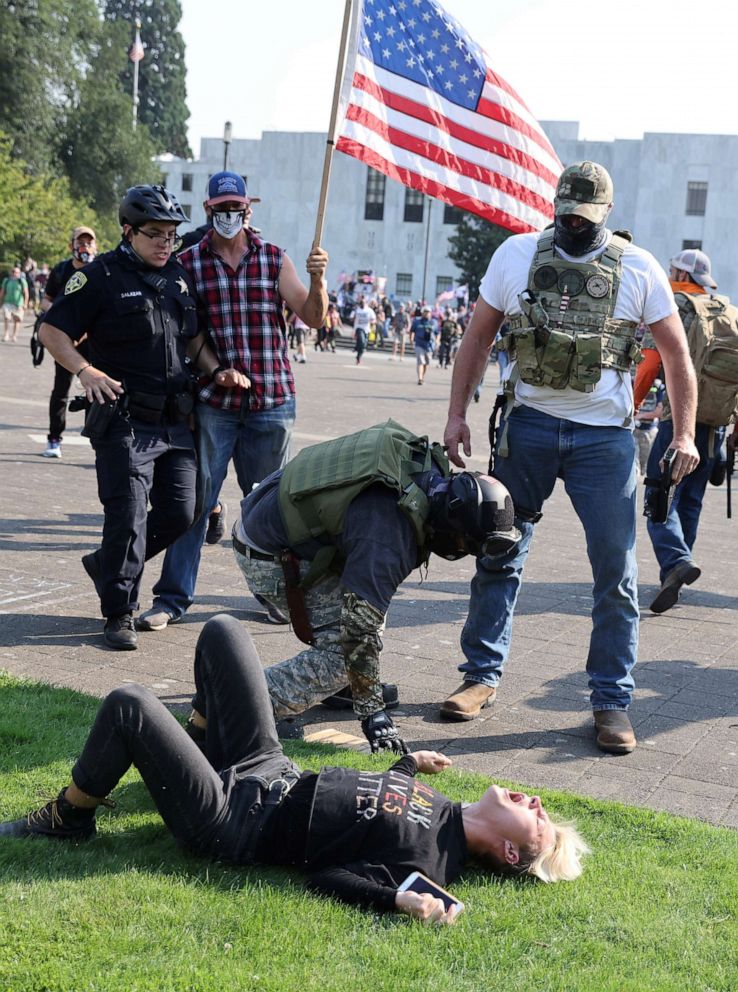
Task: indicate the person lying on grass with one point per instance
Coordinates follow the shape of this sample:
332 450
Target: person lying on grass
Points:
226 790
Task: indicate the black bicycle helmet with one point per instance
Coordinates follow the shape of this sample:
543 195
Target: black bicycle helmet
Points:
474 515
142 203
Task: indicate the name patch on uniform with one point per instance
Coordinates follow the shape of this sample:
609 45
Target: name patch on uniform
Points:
132 292
75 282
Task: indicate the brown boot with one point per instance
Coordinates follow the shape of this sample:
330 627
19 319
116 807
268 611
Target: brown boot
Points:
468 701
614 731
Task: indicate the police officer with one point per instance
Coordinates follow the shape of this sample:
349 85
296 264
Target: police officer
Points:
331 537
83 246
137 308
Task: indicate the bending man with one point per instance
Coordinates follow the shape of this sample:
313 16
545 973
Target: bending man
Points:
331 538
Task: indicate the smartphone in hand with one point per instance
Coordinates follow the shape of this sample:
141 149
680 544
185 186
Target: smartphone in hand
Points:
418 882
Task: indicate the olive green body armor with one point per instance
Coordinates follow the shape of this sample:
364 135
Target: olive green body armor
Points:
320 483
566 333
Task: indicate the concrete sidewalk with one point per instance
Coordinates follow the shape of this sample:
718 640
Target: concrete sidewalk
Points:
539 733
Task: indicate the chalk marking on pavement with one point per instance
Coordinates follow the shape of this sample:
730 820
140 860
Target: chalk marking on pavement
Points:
67 439
13 401
57 602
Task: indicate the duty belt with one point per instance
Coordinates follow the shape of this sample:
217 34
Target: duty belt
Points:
249 552
156 408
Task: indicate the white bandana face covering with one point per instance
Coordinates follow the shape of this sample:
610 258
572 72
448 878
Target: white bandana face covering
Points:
228 223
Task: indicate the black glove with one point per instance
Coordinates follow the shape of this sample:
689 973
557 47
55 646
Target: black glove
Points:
382 734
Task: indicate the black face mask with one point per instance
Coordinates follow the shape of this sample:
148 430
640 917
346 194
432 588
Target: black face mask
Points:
580 241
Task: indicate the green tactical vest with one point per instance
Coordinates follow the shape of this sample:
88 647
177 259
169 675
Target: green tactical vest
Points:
318 485
566 333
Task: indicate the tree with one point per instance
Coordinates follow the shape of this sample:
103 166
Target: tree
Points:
474 243
161 81
37 212
44 50
101 152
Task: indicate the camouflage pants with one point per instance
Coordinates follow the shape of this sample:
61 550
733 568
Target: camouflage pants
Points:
301 682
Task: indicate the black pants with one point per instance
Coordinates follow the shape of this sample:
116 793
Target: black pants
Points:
60 396
138 464
215 805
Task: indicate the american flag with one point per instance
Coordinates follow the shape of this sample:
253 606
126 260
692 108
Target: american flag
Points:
423 106
136 51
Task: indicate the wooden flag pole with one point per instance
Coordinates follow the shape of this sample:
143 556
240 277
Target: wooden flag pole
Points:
331 142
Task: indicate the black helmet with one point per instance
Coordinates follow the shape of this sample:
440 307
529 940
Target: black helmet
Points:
475 515
142 203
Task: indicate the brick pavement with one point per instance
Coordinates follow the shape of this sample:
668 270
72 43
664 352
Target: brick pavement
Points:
539 731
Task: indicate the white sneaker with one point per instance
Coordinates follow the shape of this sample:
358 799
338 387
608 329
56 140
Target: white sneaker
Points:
155 619
53 450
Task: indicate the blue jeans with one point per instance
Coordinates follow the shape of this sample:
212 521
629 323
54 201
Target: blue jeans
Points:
597 466
259 443
674 539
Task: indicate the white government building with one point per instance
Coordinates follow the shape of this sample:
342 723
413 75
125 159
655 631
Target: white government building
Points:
672 191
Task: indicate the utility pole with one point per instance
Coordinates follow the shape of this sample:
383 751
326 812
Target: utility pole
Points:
227 135
427 247
135 54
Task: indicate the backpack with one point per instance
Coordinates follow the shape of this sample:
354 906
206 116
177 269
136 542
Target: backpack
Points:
711 323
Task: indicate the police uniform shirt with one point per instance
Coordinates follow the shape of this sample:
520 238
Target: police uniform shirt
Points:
644 296
58 278
137 333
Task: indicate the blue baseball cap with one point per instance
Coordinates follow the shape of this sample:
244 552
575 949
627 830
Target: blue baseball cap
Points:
228 186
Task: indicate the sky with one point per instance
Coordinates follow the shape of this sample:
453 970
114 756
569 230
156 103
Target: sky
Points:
619 68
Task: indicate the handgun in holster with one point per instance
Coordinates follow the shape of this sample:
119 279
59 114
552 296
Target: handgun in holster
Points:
729 469
500 401
659 492
295 593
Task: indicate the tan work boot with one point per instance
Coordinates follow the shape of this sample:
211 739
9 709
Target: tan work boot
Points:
614 731
468 701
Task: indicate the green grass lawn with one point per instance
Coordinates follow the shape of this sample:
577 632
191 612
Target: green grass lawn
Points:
655 909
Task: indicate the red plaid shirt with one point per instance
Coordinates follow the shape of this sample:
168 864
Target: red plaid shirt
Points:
242 313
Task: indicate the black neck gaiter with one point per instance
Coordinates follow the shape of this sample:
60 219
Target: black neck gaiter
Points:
582 241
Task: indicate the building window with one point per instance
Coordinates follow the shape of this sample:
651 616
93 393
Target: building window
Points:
696 199
413 206
443 283
374 203
186 209
404 284
452 215
186 182
691 244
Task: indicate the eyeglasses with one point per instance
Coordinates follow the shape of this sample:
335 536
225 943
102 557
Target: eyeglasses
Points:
163 240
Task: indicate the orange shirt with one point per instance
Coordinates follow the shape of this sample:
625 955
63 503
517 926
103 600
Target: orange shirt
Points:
649 367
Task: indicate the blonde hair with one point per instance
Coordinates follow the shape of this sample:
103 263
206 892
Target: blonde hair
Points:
562 860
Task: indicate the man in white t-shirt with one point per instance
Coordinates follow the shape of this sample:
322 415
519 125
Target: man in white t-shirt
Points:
364 317
573 297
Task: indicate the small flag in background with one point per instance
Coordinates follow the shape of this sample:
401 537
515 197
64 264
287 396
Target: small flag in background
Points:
136 51
423 106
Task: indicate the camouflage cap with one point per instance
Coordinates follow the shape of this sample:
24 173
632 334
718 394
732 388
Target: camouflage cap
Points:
585 189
